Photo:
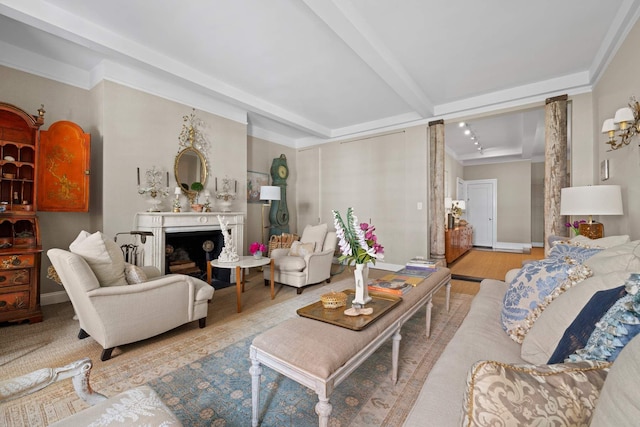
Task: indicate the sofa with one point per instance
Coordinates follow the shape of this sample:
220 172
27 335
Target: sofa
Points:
486 377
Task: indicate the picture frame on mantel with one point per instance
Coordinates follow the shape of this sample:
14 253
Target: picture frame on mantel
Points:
255 180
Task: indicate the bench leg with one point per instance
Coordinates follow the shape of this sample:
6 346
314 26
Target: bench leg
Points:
255 370
323 409
395 352
448 290
429 307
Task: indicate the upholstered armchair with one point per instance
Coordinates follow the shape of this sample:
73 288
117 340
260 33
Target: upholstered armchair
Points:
307 261
116 310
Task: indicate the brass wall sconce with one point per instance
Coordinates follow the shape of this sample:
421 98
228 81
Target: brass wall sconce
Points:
626 122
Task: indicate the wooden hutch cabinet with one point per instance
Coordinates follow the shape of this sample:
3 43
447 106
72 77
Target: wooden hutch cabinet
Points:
457 241
20 246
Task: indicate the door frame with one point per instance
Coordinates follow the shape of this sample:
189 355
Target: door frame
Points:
494 204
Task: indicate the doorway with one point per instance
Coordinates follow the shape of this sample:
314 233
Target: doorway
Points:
482 206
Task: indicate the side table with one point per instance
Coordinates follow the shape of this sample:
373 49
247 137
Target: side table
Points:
240 265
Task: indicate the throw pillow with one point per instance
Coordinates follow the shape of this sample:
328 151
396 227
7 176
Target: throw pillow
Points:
104 257
81 236
502 394
301 249
603 242
134 274
625 257
618 404
578 333
572 251
545 334
534 282
619 325
314 234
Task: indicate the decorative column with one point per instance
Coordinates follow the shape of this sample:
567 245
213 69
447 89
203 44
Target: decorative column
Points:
555 165
436 196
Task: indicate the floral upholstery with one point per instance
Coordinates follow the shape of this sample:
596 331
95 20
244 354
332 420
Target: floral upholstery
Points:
500 394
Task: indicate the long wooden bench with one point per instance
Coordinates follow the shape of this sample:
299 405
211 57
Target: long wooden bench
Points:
320 356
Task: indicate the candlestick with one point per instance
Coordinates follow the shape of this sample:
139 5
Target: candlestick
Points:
235 190
216 183
167 179
138 176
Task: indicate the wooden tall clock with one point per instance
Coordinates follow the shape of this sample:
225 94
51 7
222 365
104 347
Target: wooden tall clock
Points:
279 213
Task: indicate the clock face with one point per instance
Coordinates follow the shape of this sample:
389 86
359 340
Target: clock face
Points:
282 171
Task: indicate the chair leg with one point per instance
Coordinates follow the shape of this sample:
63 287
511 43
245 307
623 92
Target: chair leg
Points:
82 334
202 322
329 280
106 354
267 282
299 291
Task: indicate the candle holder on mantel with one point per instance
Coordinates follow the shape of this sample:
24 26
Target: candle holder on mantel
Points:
225 197
154 189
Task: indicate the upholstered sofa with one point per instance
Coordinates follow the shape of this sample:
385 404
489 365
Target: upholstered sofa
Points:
485 377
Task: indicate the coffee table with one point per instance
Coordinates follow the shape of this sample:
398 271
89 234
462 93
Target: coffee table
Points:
240 265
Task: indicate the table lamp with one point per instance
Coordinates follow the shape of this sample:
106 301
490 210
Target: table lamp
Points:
268 192
591 200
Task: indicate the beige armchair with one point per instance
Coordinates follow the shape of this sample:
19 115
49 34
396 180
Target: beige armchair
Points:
115 315
141 403
307 261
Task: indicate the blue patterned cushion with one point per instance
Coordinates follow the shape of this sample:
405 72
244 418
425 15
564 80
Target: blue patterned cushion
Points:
536 282
619 325
577 334
572 251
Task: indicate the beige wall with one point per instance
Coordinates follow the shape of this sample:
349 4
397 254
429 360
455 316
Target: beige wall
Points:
452 170
514 198
260 155
620 81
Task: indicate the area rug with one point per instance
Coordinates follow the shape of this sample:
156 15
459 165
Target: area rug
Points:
204 375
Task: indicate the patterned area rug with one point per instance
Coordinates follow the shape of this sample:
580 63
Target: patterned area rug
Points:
203 374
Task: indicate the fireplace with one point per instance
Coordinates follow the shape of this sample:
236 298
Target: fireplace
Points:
186 232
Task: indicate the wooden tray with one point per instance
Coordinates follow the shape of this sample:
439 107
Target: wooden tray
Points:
380 302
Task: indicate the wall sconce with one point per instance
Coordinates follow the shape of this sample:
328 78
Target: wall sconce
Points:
626 122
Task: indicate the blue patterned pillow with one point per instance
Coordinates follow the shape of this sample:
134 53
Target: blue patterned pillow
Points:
576 252
533 287
619 325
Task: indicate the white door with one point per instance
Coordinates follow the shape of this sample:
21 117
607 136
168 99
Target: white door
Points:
481 208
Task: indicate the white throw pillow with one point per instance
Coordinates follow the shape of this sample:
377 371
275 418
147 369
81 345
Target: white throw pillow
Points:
604 242
625 257
103 256
314 234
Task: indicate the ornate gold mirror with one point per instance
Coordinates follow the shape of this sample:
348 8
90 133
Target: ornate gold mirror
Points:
191 162
190 167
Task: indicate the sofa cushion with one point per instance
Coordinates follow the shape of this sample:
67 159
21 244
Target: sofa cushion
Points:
503 394
603 242
103 256
301 249
315 234
134 274
545 334
534 283
618 404
577 334
625 257
289 263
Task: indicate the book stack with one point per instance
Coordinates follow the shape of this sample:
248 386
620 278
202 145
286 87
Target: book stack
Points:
396 284
420 262
183 267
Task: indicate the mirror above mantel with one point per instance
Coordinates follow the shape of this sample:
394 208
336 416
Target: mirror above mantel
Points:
191 162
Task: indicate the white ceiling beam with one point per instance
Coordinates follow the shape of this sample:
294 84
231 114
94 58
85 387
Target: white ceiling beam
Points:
344 20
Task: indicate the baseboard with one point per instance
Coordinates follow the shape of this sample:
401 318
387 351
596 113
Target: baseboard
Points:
54 298
537 244
524 248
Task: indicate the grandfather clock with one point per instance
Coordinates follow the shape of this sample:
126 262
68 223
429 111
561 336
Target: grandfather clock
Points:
279 213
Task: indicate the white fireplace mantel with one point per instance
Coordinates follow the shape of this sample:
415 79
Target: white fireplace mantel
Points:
160 223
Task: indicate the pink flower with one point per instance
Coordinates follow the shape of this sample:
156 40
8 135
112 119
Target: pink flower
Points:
257 246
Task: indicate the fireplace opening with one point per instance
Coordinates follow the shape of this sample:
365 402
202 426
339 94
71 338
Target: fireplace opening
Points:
188 253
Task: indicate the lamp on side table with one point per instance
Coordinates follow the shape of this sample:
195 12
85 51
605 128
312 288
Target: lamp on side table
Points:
591 200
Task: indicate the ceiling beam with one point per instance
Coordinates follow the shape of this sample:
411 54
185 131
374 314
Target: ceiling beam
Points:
345 21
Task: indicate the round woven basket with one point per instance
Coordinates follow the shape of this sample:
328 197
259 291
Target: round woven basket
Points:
334 300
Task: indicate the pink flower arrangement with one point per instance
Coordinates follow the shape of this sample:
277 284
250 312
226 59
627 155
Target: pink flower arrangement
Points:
257 246
358 242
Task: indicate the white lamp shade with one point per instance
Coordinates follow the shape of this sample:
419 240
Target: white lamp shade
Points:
591 200
461 204
623 115
269 192
608 126
177 191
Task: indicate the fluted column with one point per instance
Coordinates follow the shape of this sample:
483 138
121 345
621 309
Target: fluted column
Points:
555 165
436 197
